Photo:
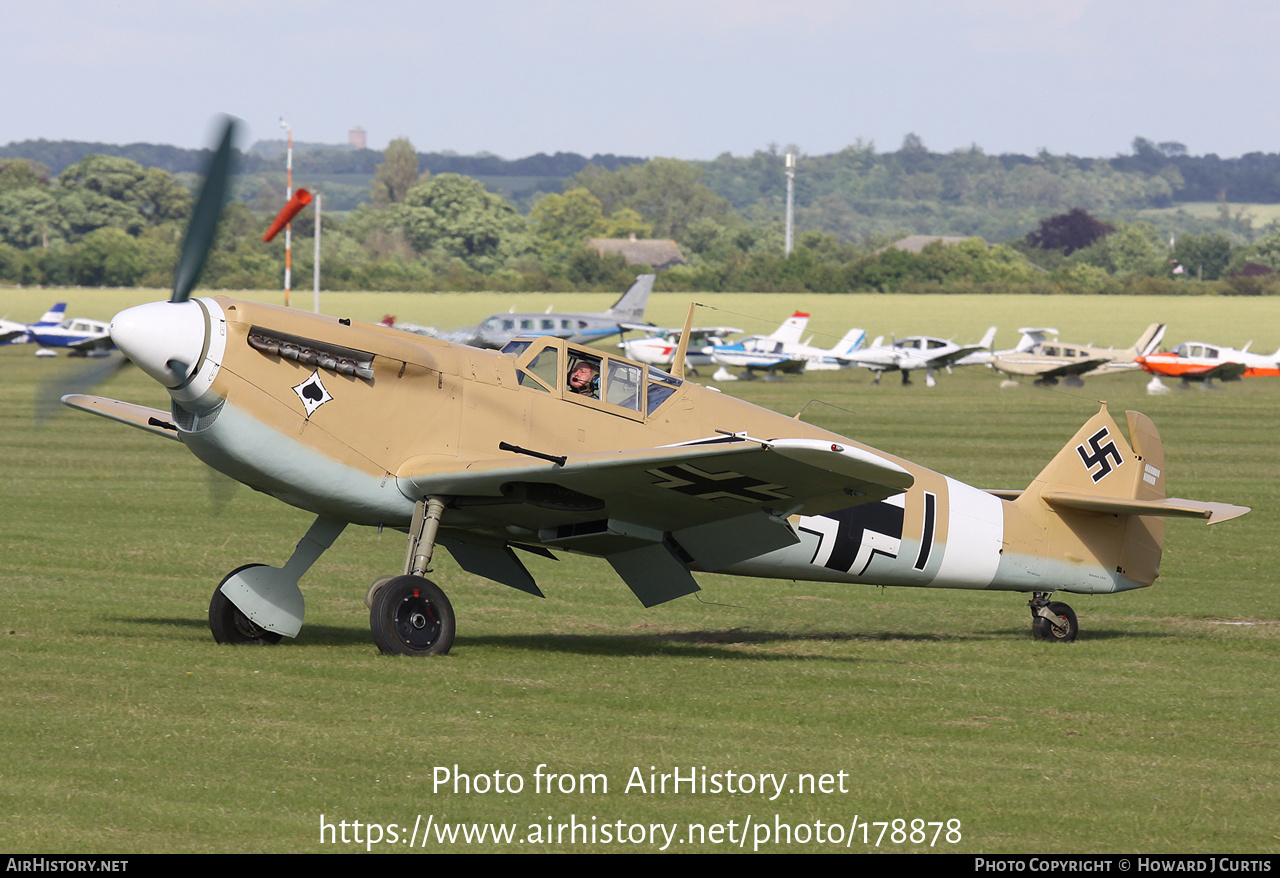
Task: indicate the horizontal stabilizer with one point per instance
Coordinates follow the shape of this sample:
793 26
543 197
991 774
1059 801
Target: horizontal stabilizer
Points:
1174 507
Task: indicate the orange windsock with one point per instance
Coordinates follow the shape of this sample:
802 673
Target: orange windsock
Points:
300 199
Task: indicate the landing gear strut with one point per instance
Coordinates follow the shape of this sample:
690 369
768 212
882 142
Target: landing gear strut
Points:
260 604
1052 620
409 614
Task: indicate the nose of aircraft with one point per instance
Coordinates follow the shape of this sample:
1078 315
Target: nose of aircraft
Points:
164 339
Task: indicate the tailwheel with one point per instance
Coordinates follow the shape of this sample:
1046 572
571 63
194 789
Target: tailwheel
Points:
229 625
410 615
1052 620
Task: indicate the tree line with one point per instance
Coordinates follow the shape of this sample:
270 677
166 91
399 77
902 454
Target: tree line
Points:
1057 223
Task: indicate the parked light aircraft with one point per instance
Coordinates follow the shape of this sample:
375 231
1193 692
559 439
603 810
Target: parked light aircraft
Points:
659 348
584 327
914 353
79 335
15 332
782 351
1048 360
487 452
12 332
1197 361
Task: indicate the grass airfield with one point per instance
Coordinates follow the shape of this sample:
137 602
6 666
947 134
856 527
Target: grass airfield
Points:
127 730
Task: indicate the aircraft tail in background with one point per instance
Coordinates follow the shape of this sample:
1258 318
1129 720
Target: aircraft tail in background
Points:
630 305
789 332
53 316
1149 341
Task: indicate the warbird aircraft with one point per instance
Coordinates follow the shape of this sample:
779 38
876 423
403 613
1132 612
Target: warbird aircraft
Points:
487 452
584 327
1048 360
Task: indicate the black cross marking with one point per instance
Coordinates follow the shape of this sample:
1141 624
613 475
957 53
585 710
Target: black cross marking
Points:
1099 456
688 479
875 527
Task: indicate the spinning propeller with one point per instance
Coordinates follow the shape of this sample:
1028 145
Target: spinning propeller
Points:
163 341
166 339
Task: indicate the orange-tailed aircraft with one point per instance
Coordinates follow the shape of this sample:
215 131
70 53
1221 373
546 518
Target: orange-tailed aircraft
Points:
491 453
1200 362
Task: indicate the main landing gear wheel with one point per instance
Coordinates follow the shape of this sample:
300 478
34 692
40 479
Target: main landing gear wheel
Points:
1045 629
229 625
410 615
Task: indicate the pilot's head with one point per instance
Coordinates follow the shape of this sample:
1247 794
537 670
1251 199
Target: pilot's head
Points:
584 377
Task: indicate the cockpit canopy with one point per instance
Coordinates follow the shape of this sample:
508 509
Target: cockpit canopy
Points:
620 386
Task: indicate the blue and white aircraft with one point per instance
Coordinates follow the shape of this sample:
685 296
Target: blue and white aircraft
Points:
782 351
81 336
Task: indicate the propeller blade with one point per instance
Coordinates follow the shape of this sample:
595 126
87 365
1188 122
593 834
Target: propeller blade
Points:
204 217
83 380
222 490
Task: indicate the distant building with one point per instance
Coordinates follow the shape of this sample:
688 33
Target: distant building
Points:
660 254
916 243
356 138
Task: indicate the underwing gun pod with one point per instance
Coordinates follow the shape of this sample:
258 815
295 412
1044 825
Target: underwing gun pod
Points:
495 453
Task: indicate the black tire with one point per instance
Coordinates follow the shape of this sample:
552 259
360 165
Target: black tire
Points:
231 626
411 616
1043 629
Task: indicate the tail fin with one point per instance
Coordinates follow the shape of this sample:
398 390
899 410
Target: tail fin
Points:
1032 336
54 315
789 332
1148 341
630 305
1101 500
988 339
851 342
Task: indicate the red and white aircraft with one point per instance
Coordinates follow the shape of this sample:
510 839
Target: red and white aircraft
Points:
1197 361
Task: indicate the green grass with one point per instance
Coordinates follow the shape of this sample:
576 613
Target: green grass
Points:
125 729
1258 215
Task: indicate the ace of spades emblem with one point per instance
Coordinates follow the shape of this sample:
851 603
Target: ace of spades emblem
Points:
312 393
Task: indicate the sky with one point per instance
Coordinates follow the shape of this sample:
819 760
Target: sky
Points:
689 79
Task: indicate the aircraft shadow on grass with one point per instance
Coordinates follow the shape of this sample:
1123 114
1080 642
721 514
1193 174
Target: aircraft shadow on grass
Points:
703 643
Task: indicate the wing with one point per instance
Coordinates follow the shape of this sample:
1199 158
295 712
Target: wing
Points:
1180 367
143 417
100 342
655 513
1225 371
1079 367
950 358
